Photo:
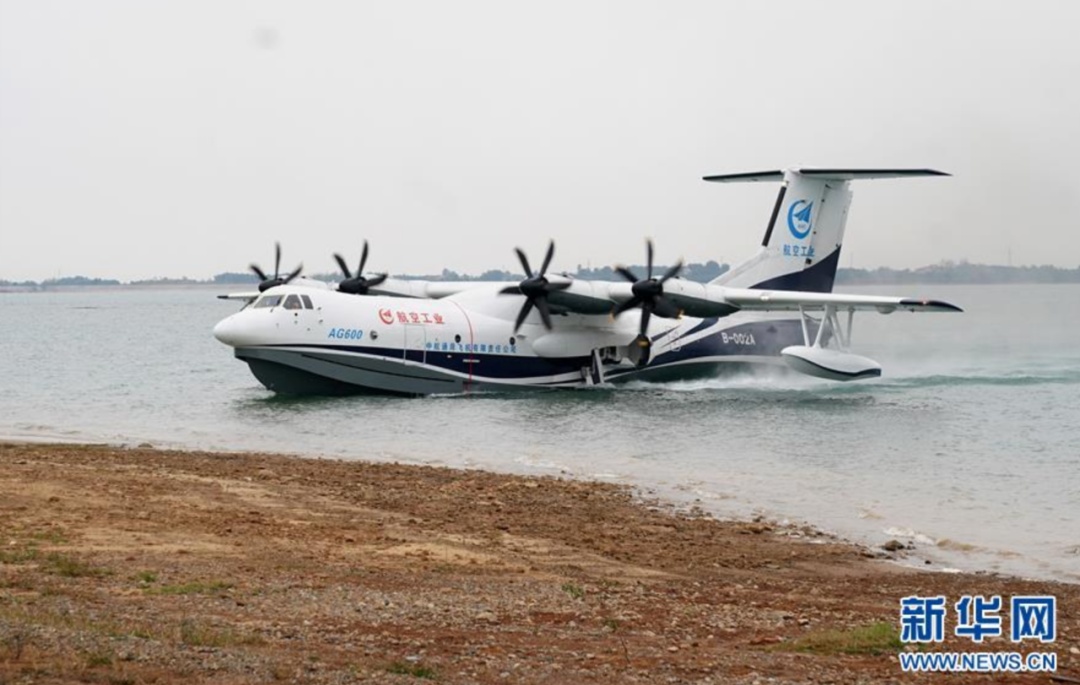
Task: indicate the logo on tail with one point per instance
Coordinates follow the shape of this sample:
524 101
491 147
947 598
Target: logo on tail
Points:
798 218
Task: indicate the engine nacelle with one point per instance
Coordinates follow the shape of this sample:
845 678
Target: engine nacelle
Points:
831 364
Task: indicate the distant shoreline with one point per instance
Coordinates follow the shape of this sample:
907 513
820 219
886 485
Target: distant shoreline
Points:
943 273
8 289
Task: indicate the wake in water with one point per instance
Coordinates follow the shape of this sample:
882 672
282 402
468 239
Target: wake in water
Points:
897 375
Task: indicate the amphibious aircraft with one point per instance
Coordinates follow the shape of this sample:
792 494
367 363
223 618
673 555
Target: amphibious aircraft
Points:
371 333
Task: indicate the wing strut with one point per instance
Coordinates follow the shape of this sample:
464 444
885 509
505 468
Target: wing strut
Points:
830 320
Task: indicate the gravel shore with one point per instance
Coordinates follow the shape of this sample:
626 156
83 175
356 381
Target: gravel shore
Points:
143 565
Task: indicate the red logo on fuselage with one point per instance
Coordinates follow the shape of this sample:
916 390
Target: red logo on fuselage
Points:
386 315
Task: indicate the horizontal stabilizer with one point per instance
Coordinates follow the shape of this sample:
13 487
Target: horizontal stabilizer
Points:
830 174
747 177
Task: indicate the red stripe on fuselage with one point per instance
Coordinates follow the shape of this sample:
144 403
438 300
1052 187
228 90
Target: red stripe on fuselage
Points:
471 341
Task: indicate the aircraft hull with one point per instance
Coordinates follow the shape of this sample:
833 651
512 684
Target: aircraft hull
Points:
697 349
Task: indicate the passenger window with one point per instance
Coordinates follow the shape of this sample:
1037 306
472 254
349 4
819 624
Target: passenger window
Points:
293 302
268 301
307 302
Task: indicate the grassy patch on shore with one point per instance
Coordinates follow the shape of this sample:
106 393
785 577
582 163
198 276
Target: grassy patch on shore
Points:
194 588
875 639
146 577
18 555
53 562
52 536
196 635
70 567
28 551
13 643
30 615
98 659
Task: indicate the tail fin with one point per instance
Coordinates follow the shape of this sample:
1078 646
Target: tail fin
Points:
801 249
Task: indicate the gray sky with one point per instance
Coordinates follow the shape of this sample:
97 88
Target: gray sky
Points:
141 139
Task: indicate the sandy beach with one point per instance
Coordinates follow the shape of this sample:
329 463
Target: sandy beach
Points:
143 565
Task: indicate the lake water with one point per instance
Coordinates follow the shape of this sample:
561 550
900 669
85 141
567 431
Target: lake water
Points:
969 445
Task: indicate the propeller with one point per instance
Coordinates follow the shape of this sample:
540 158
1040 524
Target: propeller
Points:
535 288
648 294
358 284
265 282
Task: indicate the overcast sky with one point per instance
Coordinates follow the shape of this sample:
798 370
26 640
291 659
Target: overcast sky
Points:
143 139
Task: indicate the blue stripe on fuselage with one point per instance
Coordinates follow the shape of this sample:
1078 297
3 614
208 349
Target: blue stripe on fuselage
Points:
768 338
498 366
755 338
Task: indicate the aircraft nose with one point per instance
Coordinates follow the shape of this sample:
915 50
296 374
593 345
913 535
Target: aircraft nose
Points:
225 331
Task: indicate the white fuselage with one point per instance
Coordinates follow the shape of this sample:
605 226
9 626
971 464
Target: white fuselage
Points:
466 341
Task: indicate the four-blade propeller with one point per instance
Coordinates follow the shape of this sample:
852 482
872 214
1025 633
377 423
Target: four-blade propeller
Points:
649 294
358 284
535 288
265 282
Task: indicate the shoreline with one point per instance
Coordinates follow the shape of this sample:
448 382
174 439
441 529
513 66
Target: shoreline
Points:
184 565
911 553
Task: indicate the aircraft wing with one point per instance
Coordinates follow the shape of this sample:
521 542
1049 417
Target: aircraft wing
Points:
705 300
429 290
248 297
793 301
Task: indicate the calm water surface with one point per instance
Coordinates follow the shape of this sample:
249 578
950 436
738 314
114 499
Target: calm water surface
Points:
969 445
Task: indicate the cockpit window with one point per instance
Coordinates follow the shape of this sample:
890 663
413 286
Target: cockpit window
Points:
293 302
268 301
307 302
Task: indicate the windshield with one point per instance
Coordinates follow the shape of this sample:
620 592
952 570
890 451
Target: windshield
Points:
268 301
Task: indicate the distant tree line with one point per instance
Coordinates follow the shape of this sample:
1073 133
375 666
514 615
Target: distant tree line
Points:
702 273
63 281
695 272
183 280
947 272
958 273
